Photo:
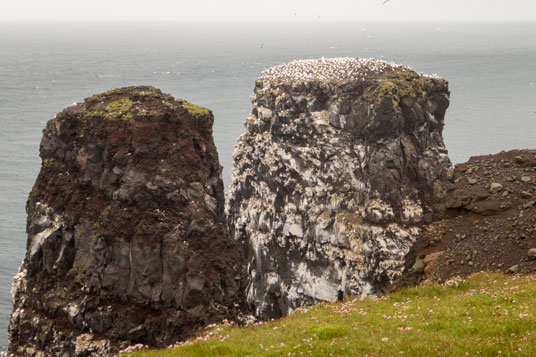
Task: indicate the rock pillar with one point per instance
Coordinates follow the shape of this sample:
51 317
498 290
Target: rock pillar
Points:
126 235
341 162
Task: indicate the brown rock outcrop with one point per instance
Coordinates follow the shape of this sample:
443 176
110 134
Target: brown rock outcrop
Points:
126 235
488 222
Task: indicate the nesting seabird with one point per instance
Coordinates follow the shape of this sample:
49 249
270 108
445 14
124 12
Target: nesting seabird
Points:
327 69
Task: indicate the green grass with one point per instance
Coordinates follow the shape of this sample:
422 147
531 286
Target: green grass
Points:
487 314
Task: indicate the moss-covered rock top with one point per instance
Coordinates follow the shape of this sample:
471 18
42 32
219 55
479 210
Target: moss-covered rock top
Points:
132 103
335 70
117 129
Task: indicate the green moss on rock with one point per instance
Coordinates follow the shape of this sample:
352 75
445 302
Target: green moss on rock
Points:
121 108
399 83
195 110
52 164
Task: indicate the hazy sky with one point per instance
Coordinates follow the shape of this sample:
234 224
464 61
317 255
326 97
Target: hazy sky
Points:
294 10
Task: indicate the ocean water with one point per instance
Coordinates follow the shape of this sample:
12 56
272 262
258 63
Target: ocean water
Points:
46 67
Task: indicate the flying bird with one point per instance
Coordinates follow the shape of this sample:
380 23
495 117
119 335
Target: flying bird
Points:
385 2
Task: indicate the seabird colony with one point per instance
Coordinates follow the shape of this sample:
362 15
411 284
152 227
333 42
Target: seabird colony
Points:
327 69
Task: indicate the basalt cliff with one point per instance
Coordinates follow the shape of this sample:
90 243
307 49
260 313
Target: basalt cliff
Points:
126 235
341 163
341 186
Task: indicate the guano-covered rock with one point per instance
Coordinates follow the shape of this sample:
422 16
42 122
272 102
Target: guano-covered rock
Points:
126 236
341 162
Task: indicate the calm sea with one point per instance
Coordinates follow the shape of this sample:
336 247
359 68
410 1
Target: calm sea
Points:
46 67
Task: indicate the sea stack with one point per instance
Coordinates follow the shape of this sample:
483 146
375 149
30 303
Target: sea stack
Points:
126 232
341 163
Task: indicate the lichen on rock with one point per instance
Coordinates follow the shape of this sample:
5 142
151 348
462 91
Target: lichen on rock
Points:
341 163
126 235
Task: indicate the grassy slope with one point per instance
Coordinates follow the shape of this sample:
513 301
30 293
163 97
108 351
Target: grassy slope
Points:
487 314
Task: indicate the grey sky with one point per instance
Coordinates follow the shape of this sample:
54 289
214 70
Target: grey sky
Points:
255 10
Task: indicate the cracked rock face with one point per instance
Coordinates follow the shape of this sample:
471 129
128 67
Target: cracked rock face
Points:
341 162
126 235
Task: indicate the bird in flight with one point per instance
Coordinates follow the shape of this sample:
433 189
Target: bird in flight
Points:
385 2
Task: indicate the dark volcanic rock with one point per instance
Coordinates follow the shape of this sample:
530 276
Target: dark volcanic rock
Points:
340 165
126 234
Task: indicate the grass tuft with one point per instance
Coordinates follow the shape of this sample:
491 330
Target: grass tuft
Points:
487 314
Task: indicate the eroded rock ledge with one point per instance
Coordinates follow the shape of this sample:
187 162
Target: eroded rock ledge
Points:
341 162
126 234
